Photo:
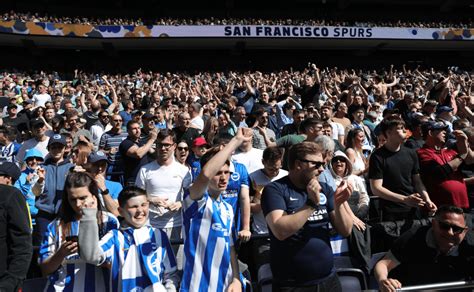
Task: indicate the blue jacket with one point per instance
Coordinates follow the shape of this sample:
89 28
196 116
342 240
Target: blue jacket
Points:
50 200
25 189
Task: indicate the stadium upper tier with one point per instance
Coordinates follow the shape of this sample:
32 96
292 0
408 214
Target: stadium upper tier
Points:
322 21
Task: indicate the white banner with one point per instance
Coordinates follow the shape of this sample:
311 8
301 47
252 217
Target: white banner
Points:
234 31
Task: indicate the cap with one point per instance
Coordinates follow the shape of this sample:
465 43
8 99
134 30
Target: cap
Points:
57 138
199 141
12 105
432 125
443 109
10 169
36 122
27 101
96 157
33 152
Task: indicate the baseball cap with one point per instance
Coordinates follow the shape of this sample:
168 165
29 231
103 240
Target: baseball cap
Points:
33 152
199 141
444 109
10 169
96 157
57 138
11 105
36 122
432 125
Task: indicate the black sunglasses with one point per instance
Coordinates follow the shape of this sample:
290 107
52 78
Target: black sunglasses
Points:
315 164
446 226
183 148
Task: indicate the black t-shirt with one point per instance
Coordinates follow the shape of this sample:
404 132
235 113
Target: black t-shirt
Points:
131 165
396 169
309 94
189 135
305 258
422 264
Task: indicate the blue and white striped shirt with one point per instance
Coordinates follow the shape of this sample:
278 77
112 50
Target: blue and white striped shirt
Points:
208 227
74 274
140 259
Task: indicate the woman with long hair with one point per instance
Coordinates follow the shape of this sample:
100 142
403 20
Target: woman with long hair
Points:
58 256
211 129
355 152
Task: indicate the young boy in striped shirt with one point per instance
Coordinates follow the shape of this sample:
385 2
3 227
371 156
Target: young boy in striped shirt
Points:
140 257
210 260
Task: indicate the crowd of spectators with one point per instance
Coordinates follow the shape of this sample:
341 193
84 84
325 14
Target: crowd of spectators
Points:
317 21
403 135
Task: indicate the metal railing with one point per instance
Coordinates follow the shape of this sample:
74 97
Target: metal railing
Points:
440 286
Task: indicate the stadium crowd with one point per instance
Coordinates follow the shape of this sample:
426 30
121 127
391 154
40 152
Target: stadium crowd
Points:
213 158
323 20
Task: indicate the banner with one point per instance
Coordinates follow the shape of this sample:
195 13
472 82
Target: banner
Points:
233 31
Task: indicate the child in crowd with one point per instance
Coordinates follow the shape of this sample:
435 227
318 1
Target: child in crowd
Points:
140 257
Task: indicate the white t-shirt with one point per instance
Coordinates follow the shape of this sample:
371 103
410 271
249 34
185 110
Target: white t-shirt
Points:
337 130
259 180
33 143
164 182
41 99
198 122
252 159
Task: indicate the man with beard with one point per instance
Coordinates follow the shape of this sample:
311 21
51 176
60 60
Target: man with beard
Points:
337 129
262 136
298 214
134 152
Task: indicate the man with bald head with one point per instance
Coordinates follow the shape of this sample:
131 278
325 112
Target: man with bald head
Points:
183 129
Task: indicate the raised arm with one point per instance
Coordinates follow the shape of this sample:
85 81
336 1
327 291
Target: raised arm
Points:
211 168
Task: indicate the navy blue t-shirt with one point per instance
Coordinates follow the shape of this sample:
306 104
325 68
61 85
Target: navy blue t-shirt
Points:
305 258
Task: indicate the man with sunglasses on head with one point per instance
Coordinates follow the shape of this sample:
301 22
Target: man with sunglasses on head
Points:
298 215
39 140
443 252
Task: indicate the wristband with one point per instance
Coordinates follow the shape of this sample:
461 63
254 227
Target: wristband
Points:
105 192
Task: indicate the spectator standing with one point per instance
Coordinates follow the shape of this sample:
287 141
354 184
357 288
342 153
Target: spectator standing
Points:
49 187
183 129
441 167
39 141
209 226
394 175
164 180
100 127
195 112
9 148
272 162
110 142
15 242
262 135
297 214
249 156
42 97
75 128
134 152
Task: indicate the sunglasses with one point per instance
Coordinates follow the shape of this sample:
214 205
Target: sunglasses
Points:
164 145
338 159
183 148
315 164
446 227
